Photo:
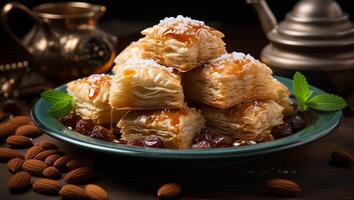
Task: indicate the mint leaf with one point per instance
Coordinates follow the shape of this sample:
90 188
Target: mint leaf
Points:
301 90
327 102
61 102
54 96
60 109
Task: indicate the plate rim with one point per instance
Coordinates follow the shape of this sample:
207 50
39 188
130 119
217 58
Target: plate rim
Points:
214 153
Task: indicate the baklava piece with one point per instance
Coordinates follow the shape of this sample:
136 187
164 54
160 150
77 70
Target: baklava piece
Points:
134 50
145 85
91 97
229 80
182 43
177 128
245 120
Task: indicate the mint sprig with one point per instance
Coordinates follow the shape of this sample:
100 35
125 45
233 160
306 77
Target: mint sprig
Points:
323 102
61 102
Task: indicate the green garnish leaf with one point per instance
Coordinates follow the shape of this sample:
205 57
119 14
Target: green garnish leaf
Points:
61 102
327 102
323 102
301 89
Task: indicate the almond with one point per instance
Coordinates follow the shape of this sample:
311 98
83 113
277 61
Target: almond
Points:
51 159
169 190
33 151
19 181
80 162
18 141
15 165
34 167
72 192
51 172
341 157
21 120
283 187
47 145
7 154
46 186
28 130
60 163
95 192
44 154
79 175
7 129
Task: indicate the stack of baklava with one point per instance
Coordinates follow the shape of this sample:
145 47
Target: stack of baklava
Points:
179 61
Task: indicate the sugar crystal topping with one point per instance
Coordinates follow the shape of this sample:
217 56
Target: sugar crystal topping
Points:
148 63
180 24
234 56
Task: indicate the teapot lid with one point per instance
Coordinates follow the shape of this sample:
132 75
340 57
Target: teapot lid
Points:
315 23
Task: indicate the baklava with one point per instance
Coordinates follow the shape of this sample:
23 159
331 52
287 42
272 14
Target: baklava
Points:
91 96
141 84
230 80
182 43
177 128
245 120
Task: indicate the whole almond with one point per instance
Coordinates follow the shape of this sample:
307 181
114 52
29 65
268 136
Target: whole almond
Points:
95 192
79 175
72 192
342 157
18 141
7 154
21 120
15 165
169 190
283 187
46 186
33 151
34 167
28 130
51 172
19 181
60 163
47 145
7 129
80 162
51 159
44 154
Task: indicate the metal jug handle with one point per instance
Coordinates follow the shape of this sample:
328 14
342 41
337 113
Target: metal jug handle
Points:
4 19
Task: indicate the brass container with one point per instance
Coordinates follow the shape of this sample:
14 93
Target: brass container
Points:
316 37
65 42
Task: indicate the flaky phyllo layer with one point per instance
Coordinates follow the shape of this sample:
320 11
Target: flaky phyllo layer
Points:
141 84
176 127
245 120
182 43
230 80
91 96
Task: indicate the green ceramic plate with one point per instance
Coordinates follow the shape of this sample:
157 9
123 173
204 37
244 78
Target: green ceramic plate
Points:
321 125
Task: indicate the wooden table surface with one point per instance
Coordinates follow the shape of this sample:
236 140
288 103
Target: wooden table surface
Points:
308 165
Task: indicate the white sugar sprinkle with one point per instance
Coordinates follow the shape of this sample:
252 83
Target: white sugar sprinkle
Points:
180 24
147 62
235 56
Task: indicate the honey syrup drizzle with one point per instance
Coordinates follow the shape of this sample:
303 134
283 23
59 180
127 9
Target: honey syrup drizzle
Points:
95 84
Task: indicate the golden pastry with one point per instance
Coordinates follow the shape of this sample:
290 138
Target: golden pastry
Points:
134 50
182 43
177 128
229 80
245 120
141 84
91 97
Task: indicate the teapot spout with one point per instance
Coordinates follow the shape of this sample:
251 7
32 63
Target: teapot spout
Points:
265 15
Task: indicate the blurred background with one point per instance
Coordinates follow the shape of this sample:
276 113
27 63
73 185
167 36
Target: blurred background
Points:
236 19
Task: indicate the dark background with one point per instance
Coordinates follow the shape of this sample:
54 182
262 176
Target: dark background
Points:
227 14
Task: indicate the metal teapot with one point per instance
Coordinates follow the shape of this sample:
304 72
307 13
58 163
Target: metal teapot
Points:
316 37
65 42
